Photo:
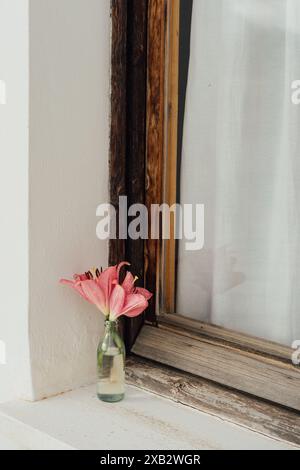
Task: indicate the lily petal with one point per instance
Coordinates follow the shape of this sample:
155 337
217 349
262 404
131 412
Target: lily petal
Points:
134 305
76 285
117 300
144 292
94 294
106 282
80 277
120 266
128 283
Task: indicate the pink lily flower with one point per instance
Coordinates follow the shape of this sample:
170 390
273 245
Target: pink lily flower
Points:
112 298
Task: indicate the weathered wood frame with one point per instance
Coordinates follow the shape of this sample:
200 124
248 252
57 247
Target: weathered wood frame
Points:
206 396
250 365
128 129
141 101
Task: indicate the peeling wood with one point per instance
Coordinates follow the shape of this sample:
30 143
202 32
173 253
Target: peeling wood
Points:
250 364
136 138
117 152
266 377
117 157
255 414
198 329
128 131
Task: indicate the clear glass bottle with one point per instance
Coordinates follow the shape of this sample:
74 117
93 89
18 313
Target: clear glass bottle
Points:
111 364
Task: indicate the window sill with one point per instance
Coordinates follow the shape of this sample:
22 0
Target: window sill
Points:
144 420
252 413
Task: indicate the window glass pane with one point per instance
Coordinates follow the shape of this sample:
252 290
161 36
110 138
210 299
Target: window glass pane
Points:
240 157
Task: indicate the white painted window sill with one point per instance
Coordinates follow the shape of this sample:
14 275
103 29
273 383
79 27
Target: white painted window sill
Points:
78 420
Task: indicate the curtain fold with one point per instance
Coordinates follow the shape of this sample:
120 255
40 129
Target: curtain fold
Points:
241 159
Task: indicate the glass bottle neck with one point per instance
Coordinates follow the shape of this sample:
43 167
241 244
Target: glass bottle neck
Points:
111 326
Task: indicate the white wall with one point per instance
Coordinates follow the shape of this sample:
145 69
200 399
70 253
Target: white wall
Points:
69 130
61 114
14 68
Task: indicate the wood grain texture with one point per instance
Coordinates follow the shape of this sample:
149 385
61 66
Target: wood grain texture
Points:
128 131
154 136
138 127
136 137
258 415
263 376
168 273
188 326
117 157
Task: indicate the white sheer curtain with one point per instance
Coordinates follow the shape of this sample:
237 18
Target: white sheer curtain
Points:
241 158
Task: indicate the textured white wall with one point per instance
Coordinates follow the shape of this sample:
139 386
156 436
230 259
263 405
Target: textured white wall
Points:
69 133
55 125
14 68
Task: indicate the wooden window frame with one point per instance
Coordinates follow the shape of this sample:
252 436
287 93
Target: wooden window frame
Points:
139 93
